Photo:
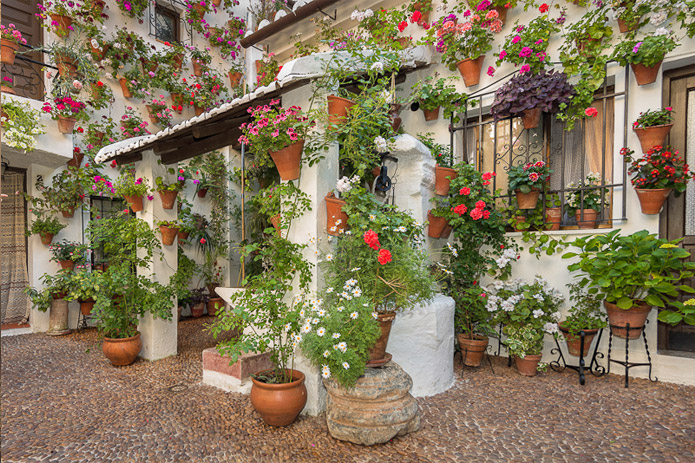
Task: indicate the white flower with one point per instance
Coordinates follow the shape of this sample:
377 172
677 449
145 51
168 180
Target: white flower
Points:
321 331
354 315
287 327
538 313
658 18
372 217
302 313
378 66
336 335
329 257
342 346
315 321
77 84
557 316
661 31
357 292
343 185
350 283
375 315
345 295
381 144
325 371
357 15
306 328
355 269
333 229
550 328
400 229
368 13
297 338
346 365
326 353
321 312
338 222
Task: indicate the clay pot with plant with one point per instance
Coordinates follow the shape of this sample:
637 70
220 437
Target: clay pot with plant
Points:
652 127
645 55
474 322
133 189
433 93
586 199
585 316
46 226
526 181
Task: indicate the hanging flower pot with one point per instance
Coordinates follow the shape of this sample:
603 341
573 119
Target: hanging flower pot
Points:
87 306
447 231
8 48
183 235
336 219
531 118
121 352
645 75
501 13
203 192
589 218
178 61
338 108
135 202
652 200
198 67
278 404
98 6
528 365
472 348
519 221
198 110
124 88
470 70
288 160
275 222
46 238
527 200
5 89
98 53
574 342
169 233
553 216
650 137
177 99
234 78
68 213
442 179
619 318
67 67
66 124
61 25
152 113
168 198
66 264
378 355
431 114
436 225
76 160
394 112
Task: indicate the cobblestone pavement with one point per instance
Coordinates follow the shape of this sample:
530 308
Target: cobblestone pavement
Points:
62 401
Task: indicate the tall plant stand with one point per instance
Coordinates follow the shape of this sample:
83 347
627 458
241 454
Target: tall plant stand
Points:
82 321
626 363
560 364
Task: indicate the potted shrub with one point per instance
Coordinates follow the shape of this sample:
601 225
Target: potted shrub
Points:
645 55
159 112
474 322
132 189
67 112
45 226
437 225
66 191
21 124
653 127
84 288
195 12
10 38
200 58
282 140
632 273
658 172
55 287
526 181
588 200
169 191
528 95
585 315
431 95
67 254
169 230
553 210
527 311
527 44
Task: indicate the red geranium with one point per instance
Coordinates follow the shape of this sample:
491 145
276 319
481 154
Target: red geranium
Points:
460 209
372 239
384 256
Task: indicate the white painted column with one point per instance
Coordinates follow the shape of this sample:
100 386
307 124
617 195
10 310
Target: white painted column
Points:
159 337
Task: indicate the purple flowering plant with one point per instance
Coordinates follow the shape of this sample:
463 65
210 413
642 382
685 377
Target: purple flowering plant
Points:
648 51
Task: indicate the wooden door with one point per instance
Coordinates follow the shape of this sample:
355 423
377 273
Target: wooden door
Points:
677 220
28 78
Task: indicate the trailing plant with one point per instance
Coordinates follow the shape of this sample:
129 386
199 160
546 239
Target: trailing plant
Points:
658 168
440 153
68 250
127 185
44 223
53 285
66 191
431 94
21 124
132 124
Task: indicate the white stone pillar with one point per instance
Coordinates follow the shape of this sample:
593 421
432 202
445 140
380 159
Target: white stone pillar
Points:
159 337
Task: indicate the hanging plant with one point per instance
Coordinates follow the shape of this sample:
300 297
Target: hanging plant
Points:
133 8
21 124
546 91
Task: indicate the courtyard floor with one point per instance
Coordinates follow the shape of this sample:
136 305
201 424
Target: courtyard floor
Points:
62 401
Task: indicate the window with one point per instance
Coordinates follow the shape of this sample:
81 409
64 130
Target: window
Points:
166 22
103 207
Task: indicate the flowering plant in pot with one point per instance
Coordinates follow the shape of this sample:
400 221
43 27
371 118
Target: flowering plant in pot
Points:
84 288
653 126
526 46
54 287
584 315
132 8
645 55
433 93
68 253
169 191
62 14
200 57
528 95
159 112
206 91
195 13
66 111
473 320
632 273
10 39
586 199
528 311
46 226
132 189
277 134
527 180
656 174
101 95
66 191
630 14
21 124
132 124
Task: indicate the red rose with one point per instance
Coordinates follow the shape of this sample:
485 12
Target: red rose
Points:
372 239
384 256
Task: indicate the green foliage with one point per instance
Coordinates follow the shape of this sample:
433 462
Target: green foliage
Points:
54 285
441 153
68 250
524 340
127 185
527 44
44 224
472 316
525 177
21 126
627 270
84 285
649 51
653 118
432 94
585 313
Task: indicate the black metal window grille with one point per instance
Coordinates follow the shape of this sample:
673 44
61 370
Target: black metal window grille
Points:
588 147
165 23
26 73
103 207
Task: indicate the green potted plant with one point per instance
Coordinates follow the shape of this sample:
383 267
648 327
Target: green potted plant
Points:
66 191
68 253
526 181
584 315
654 175
629 14
169 191
54 287
132 8
62 15
195 13
46 226
132 189
473 320
84 288
10 38
652 127
553 210
444 173
645 55
169 230
21 124
528 95
528 311
132 124
200 58
527 44
586 199
632 273
159 111
433 93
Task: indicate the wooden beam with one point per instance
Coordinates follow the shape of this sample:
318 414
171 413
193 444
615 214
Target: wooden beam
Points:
187 151
129 158
171 144
218 127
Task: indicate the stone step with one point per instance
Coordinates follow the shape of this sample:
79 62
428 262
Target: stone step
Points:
219 373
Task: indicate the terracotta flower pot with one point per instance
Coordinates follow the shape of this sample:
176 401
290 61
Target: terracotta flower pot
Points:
338 108
288 160
203 192
168 234
395 113
178 61
520 220
98 54
66 124
69 213
574 343
135 202
623 26
66 264
472 349
470 70
531 118
122 352
46 238
198 110
86 307
76 160
61 24
197 68
152 114
215 305
8 49
436 226
650 137
447 231
442 179
645 75
234 78
527 366
98 6
431 114
6 89
67 67
618 318
652 200
377 354
502 12
275 222
589 221
124 88
279 404
168 198
183 235
527 200
197 310
336 219
177 99
553 216
418 6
